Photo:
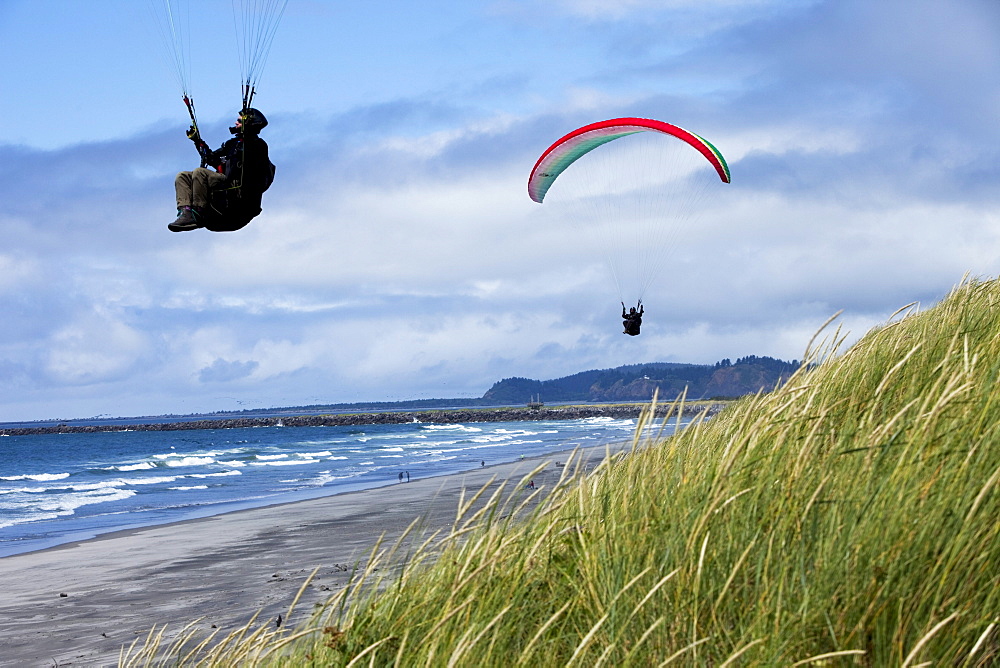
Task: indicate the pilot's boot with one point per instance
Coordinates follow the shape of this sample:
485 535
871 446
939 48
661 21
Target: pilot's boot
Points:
187 219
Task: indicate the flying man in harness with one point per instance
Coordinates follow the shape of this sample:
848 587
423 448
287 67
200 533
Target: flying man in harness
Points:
632 320
228 196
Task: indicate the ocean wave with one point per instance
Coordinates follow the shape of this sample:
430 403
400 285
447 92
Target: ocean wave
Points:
132 467
449 427
37 477
190 487
60 505
416 445
325 441
19 490
30 517
506 438
433 460
527 442
608 420
321 479
221 474
390 437
220 453
213 453
189 461
121 482
472 447
234 462
286 462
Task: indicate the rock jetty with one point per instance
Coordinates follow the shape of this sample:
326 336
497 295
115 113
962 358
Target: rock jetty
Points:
451 416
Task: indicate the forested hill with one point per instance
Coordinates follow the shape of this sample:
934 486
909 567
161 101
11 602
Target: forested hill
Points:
634 383
637 382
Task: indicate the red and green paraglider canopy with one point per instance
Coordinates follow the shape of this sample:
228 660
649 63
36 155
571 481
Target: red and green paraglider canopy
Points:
565 151
640 193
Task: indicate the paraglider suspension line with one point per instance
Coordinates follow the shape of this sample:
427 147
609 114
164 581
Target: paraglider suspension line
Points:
248 92
189 103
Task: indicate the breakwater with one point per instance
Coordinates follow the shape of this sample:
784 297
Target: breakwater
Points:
451 416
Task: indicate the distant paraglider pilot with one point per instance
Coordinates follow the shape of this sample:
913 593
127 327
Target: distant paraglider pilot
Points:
632 320
227 197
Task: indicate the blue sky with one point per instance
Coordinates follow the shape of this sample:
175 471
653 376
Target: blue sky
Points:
398 255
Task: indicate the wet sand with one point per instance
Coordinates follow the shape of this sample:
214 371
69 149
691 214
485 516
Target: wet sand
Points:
79 603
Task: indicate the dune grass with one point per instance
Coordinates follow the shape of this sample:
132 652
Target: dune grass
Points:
849 518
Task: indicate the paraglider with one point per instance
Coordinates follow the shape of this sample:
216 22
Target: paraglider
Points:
643 189
632 320
227 196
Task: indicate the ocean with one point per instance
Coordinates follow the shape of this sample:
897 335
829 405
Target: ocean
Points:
59 488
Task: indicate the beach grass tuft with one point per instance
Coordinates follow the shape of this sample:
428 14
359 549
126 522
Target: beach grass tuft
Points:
851 517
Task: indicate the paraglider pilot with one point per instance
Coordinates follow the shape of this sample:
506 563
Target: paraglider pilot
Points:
632 320
227 197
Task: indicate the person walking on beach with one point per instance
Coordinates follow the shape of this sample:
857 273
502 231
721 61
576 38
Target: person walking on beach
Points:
632 320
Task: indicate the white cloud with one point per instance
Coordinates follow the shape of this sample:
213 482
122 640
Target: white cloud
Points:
94 348
17 272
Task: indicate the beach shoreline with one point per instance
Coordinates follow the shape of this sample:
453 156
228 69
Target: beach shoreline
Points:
78 603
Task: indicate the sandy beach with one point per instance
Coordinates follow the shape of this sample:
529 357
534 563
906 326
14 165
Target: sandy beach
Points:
79 603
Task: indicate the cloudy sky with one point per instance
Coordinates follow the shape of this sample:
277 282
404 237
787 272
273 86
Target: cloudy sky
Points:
399 256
